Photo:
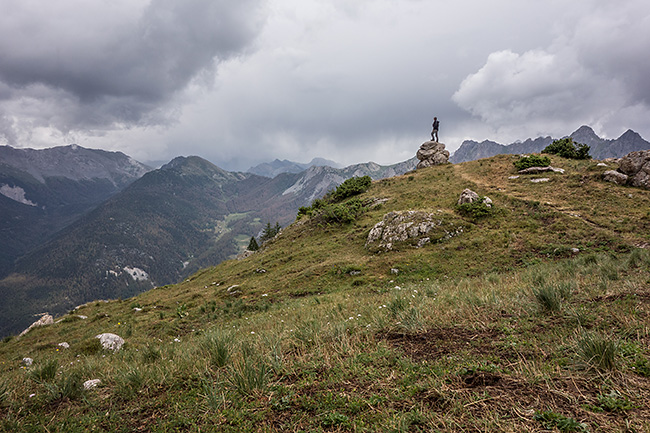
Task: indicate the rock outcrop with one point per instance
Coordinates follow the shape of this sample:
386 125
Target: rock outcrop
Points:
43 321
411 229
432 153
636 165
634 170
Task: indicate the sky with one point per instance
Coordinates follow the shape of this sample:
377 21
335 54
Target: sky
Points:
248 81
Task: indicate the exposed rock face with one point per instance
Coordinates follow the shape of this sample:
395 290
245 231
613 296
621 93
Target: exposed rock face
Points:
110 341
432 153
411 228
43 321
636 165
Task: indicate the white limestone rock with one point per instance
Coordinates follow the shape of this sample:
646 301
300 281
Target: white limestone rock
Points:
110 341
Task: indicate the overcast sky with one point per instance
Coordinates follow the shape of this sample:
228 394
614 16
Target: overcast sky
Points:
247 81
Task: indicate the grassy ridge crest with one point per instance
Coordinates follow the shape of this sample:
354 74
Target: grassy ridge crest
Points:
535 317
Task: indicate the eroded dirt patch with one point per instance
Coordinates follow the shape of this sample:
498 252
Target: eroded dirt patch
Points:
438 342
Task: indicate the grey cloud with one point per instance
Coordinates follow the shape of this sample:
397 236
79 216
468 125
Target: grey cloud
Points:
120 70
591 75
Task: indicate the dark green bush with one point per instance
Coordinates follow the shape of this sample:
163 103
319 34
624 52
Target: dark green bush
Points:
532 161
476 210
349 188
330 206
566 148
270 232
343 212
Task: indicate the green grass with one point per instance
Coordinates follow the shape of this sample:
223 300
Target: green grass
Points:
328 338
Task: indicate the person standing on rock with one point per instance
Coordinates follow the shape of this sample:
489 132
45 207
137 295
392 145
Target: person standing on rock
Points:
434 133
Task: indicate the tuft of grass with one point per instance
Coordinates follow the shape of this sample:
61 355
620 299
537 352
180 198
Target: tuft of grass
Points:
129 382
217 347
597 351
548 298
68 387
89 346
45 372
551 296
249 376
150 354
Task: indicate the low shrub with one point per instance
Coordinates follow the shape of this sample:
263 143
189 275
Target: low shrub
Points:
328 204
343 212
566 148
475 210
532 161
350 187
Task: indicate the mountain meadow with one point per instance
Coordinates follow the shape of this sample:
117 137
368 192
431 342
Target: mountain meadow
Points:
532 314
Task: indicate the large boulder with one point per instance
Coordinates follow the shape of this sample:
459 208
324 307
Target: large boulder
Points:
411 229
636 165
432 153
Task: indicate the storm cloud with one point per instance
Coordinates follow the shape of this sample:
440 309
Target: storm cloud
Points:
249 81
84 65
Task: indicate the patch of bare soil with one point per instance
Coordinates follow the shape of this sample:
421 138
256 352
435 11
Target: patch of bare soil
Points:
518 398
438 342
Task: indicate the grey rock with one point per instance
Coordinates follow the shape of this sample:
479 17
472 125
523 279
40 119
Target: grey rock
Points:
615 177
432 153
537 170
636 165
540 180
414 228
467 196
110 341
43 321
27 362
92 383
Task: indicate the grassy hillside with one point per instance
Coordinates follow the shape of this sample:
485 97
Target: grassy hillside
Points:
534 317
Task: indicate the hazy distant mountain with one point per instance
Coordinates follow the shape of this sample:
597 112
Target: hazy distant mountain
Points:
42 191
272 169
600 148
187 215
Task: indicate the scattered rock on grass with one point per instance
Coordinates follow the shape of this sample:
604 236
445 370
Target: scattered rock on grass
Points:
469 196
615 177
110 341
92 383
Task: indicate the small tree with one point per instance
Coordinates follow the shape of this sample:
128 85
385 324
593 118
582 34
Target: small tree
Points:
270 232
252 245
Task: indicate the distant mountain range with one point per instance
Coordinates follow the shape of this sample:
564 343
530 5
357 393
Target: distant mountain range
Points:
272 169
137 233
42 191
600 148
